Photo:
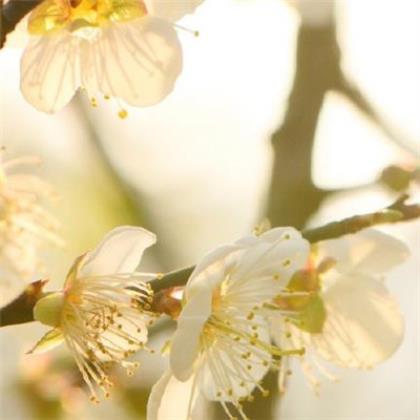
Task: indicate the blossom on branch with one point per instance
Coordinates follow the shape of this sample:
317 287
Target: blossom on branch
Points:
222 349
349 319
126 49
102 313
25 226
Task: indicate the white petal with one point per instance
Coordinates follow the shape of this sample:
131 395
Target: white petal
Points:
185 343
280 234
212 269
364 325
369 251
119 252
138 61
260 264
172 10
173 399
50 71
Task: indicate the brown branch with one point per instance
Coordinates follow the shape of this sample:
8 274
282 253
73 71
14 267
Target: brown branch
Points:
293 196
20 310
12 13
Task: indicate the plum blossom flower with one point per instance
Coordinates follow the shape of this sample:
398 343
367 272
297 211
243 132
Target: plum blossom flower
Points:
102 313
349 319
25 226
127 49
222 349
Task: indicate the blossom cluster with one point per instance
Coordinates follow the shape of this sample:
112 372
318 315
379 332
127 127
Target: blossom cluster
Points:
247 307
318 303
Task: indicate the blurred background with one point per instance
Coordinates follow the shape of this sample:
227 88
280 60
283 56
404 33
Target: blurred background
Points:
291 109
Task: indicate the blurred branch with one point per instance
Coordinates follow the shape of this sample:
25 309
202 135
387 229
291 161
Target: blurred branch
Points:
293 196
12 13
20 310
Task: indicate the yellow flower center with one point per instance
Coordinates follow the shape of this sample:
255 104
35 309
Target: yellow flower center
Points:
52 16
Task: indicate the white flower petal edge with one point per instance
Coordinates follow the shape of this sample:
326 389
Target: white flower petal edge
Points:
369 251
185 342
119 252
364 325
172 9
138 61
252 260
207 273
173 399
50 71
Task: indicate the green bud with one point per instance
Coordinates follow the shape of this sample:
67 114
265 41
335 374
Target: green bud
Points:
49 308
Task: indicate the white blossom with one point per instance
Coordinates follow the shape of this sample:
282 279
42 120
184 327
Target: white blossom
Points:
221 349
126 49
25 226
350 319
102 313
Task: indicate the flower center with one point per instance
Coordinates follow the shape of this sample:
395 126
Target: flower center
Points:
48 309
52 16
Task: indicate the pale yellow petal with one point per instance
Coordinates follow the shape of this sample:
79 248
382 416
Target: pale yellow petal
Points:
364 325
50 71
137 61
119 252
369 251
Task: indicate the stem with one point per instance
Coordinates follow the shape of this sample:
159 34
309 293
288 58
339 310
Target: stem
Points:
20 310
12 13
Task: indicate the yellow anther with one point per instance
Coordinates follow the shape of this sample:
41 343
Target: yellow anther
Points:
123 114
286 263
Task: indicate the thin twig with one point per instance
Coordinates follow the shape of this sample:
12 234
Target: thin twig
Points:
20 310
12 13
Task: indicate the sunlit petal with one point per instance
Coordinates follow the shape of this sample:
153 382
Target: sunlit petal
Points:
369 251
50 71
185 343
119 252
364 325
173 399
137 61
